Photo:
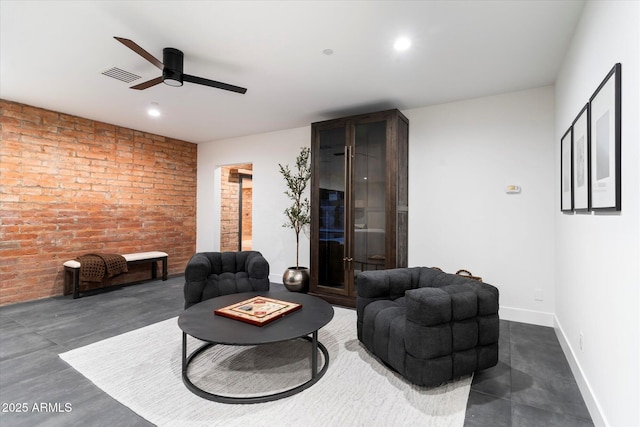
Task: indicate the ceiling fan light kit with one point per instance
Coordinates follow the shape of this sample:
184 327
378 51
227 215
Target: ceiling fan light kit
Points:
173 60
172 69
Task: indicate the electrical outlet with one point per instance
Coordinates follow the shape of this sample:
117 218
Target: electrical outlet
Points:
538 295
581 341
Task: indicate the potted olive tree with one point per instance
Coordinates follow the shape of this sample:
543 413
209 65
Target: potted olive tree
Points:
298 216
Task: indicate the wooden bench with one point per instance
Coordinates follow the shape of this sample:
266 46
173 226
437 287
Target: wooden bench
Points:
72 268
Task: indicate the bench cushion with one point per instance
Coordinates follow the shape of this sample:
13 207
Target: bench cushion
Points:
139 256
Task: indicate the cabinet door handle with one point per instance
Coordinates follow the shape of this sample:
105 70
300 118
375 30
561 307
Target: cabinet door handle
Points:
348 171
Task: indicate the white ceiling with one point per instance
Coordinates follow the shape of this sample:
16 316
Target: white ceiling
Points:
53 54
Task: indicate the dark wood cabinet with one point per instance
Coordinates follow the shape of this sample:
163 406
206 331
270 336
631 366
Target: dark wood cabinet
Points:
359 200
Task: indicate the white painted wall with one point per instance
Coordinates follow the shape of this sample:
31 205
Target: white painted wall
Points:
597 271
462 156
265 151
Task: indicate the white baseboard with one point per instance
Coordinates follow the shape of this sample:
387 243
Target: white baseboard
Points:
585 389
539 318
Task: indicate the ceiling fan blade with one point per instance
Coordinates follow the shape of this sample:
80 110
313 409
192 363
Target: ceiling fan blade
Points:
148 84
140 51
213 83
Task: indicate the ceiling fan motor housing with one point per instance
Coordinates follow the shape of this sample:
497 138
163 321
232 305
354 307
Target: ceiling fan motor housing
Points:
172 60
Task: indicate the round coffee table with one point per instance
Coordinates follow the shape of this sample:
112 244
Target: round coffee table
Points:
200 322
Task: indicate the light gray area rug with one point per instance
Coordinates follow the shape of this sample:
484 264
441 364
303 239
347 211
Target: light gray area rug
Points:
142 370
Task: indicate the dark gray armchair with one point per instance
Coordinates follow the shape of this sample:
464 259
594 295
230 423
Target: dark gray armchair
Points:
427 325
212 274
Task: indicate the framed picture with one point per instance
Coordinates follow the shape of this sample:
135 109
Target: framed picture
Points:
566 175
581 156
605 144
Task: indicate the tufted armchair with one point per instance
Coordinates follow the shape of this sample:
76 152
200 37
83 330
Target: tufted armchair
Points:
212 274
427 325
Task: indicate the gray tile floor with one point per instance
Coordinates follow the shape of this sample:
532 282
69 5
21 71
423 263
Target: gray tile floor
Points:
531 386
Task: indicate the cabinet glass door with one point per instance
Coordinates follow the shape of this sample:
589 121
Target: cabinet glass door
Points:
359 201
369 196
331 232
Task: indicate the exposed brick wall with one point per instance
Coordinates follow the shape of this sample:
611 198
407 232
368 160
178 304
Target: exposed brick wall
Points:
247 206
71 186
230 186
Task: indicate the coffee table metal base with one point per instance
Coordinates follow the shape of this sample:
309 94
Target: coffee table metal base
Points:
315 374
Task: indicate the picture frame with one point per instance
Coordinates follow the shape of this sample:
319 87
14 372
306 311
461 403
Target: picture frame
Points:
605 143
566 171
581 155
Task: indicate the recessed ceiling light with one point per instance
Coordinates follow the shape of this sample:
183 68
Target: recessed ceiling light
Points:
402 43
154 110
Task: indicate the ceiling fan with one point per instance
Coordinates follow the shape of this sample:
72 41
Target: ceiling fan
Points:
171 66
